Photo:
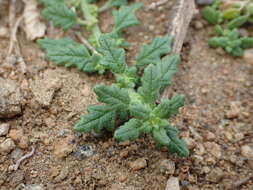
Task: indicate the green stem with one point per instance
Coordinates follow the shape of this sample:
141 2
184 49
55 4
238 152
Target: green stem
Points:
88 12
105 7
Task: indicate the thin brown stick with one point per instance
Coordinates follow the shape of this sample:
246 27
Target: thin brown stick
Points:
154 5
16 166
86 43
13 37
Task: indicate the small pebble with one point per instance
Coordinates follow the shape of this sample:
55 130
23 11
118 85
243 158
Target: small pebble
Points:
4 129
247 151
198 25
4 32
213 148
167 167
84 151
7 146
248 56
138 164
172 184
34 187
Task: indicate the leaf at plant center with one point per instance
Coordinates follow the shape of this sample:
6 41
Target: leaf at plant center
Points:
156 77
128 131
60 15
167 108
99 117
140 111
113 96
51 3
66 52
160 136
124 17
151 85
113 57
176 145
167 69
151 53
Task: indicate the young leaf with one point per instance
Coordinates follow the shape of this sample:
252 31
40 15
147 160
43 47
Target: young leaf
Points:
59 14
211 15
151 85
113 57
118 3
140 111
238 21
176 145
113 96
151 53
66 52
124 17
99 117
160 136
168 67
128 131
51 3
247 42
169 107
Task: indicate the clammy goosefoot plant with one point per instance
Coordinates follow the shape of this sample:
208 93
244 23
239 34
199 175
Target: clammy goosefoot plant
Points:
228 16
133 102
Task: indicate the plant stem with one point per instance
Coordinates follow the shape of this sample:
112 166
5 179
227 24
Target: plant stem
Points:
105 7
90 16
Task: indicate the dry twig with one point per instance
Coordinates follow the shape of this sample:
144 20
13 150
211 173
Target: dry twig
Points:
16 166
85 42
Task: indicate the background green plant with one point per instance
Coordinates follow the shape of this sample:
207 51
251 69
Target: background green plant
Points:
228 18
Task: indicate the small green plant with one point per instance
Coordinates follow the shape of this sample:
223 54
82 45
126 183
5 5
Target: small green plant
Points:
132 103
130 106
231 15
69 53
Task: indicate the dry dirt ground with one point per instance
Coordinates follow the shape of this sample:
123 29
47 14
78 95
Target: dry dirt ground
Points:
216 121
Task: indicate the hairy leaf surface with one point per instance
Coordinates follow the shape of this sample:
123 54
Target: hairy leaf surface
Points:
99 117
66 52
151 53
128 131
124 17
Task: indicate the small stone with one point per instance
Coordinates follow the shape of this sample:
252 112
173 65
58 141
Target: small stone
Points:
215 175
151 27
4 129
7 146
10 98
234 110
4 32
84 151
138 164
239 136
122 178
167 167
125 143
205 2
172 184
124 153
34 187
16 154
198 25
228 135
248 56
191 143
220 51
24 142
63 147
213 148
247 151
209 136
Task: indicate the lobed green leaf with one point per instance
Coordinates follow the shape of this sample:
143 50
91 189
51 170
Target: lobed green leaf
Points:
151 53
125 17
128 131
99 117
66 52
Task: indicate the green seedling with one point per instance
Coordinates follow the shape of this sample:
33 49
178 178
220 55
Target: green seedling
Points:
231 17
132 104
65 15
69 53
230 41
